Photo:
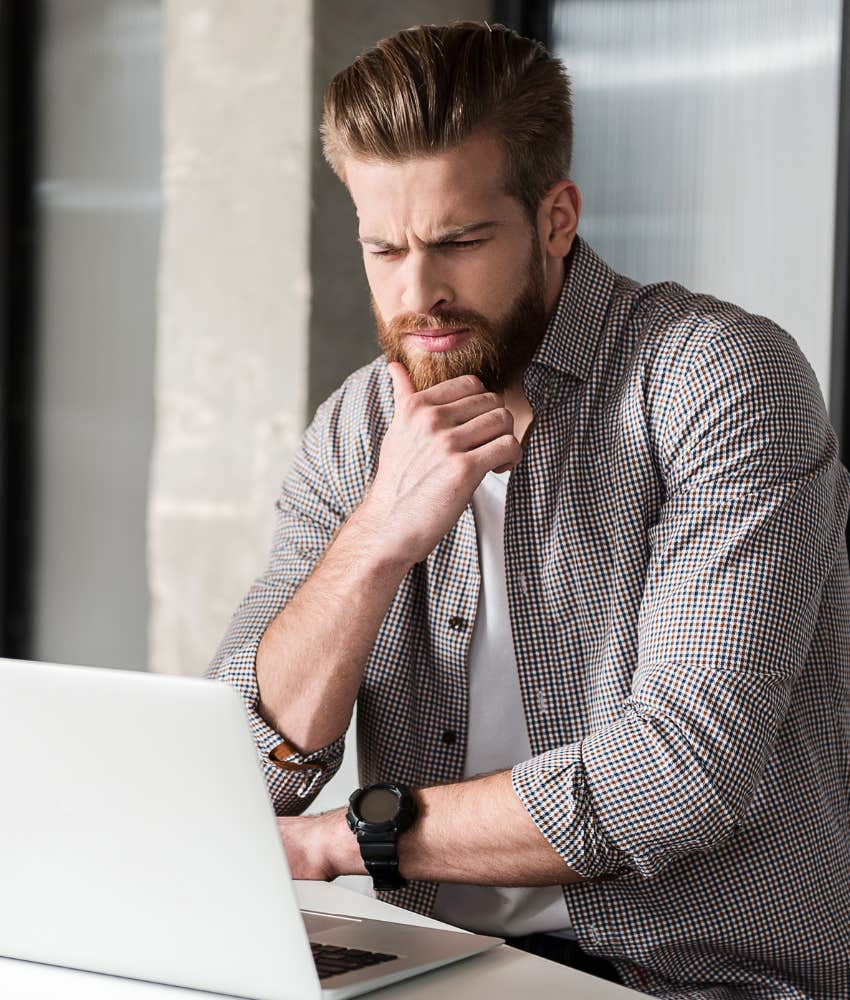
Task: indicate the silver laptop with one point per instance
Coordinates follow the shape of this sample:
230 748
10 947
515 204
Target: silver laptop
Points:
137 839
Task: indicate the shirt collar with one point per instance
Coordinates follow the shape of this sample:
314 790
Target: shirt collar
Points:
576 324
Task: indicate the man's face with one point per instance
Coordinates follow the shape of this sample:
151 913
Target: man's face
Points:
453 263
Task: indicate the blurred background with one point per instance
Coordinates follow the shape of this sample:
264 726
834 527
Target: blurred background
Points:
181 283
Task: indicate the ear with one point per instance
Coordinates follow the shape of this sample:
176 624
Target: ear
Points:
557 218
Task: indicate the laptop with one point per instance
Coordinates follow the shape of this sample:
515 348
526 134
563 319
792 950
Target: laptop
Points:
137 839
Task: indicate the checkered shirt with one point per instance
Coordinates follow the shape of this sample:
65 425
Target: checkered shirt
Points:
680 607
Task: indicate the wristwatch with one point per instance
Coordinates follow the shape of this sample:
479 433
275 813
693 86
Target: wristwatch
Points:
377 814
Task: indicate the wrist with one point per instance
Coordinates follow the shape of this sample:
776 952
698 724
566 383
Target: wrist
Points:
342 846
379 551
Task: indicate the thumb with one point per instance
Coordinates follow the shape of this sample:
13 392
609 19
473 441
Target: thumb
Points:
402 386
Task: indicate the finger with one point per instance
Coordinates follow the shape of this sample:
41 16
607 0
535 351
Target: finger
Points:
462 410
402 386
498 456
452 389
481 429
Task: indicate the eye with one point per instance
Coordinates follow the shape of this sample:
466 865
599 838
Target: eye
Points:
385 254
464 244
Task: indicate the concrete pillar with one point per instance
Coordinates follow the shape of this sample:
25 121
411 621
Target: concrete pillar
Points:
231 375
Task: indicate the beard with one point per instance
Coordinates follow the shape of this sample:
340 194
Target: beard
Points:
497 351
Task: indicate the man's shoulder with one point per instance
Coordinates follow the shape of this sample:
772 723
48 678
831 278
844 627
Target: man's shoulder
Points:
675 319
690 359
340 447
682 333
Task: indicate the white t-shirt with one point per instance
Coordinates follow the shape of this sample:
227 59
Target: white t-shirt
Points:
498 736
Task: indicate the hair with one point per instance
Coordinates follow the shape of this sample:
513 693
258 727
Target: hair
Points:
429 88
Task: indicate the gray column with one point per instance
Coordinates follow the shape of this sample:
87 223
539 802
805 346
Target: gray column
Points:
234 308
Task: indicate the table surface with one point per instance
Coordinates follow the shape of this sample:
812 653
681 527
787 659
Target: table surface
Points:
501 973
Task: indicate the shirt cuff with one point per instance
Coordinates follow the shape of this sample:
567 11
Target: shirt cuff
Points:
317 767
553 789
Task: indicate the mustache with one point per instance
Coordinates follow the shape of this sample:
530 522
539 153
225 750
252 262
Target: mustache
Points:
454 319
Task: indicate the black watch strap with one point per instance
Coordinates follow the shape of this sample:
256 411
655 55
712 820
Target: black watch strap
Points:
381 860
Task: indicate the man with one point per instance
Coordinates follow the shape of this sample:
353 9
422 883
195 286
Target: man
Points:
583 537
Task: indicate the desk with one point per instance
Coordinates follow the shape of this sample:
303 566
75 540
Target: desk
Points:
502 974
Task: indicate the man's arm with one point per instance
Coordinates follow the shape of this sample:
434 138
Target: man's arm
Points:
439 447
476 832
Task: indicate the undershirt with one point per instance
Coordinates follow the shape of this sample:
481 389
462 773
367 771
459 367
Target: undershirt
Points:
497 734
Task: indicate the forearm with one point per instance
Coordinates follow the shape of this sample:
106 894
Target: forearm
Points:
311 658
475 832
478 832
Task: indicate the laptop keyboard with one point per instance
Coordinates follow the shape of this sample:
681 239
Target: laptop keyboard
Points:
331 960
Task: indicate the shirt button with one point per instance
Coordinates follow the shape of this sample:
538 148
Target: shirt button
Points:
522 580
449 737
593 936
457 623
542 701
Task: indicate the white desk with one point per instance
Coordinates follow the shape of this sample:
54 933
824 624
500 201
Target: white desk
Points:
502 974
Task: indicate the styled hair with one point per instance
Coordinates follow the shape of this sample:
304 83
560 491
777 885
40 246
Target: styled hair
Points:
428 88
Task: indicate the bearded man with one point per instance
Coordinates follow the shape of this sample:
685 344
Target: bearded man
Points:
576 548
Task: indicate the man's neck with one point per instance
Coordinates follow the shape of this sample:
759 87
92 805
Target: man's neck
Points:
520 408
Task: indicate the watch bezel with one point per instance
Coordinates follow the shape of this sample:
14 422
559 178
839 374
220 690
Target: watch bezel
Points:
404 817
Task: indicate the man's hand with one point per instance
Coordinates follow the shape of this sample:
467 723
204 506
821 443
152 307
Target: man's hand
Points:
440 445
320 847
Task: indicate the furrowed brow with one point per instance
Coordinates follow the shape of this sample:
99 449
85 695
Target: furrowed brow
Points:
455 234
450 236
376 242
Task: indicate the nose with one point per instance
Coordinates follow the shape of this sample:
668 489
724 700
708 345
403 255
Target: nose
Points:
426 288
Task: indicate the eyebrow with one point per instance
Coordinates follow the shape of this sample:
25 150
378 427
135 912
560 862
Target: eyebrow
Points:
450 236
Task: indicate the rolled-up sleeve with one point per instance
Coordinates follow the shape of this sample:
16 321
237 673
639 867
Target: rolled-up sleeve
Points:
753 519
308 514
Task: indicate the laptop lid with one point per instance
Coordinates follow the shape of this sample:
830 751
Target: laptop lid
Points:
137 837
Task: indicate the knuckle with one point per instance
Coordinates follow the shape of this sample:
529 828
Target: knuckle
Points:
407 407
431 420
448 446
501 419
507 418
450 440
457 467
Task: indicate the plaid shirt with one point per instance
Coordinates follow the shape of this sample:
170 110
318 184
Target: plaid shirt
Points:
680 605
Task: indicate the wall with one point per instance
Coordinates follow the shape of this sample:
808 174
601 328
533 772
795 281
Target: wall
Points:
706 148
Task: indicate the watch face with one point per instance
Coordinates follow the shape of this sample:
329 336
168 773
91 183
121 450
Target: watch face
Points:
378 805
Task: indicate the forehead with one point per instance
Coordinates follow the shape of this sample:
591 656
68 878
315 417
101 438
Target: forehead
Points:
431 193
